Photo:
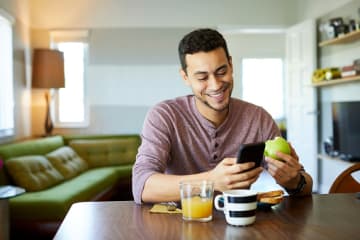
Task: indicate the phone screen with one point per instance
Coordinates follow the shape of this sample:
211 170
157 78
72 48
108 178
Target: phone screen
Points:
251 152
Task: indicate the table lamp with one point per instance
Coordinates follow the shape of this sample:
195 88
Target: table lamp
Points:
48 72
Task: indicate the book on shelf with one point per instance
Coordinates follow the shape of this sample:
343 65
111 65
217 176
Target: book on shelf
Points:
349 71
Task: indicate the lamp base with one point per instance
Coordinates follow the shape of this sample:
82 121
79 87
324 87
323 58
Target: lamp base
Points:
48 122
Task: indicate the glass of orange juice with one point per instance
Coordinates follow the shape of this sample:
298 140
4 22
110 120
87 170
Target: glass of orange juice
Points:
197 200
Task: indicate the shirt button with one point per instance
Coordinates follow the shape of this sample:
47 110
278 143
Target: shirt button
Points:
216 145
215 157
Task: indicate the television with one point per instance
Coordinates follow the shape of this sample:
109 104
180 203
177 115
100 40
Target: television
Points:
346 130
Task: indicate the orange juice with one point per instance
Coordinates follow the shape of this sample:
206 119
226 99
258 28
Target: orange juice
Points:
196 207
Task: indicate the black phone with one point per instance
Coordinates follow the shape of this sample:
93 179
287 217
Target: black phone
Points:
251 152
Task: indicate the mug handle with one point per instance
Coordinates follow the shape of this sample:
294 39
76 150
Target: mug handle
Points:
217 200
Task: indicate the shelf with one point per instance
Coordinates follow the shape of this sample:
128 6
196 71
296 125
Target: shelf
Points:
336 81
347 38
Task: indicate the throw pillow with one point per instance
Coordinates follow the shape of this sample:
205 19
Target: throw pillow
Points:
67 162
33 173
106 152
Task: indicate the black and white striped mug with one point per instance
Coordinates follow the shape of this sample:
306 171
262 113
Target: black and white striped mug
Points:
239 206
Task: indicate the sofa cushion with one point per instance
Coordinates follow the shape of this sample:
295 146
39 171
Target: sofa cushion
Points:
53 203
33 173
39 146
67 162
106 152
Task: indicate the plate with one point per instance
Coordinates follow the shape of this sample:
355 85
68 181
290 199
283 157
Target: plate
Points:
265 206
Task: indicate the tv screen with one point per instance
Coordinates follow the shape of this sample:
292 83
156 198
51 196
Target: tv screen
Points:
346 129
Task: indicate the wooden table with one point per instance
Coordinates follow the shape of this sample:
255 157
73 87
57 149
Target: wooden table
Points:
335 216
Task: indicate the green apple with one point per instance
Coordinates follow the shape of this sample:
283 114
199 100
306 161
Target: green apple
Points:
279 144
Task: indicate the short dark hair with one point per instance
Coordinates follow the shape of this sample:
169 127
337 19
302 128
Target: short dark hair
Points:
201 40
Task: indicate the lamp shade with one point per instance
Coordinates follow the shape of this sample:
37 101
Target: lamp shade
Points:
48 69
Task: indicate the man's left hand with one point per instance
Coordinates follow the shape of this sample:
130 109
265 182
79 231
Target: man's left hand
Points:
286 170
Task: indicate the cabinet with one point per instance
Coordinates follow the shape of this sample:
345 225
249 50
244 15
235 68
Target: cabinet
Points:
347 38
340 51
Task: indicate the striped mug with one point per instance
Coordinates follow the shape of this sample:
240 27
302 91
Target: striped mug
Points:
239 206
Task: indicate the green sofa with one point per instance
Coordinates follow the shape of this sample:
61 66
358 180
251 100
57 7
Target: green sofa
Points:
58 171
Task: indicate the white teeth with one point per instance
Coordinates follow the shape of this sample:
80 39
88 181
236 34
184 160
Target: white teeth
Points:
219 93
216 95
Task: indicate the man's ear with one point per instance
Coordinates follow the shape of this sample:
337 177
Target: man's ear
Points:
184 76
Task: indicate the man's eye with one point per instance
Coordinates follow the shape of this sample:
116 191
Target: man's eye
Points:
221 73
202 78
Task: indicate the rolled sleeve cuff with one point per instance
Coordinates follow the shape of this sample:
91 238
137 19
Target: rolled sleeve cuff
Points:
138 183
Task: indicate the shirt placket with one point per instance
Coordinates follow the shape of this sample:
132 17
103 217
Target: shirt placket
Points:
214 146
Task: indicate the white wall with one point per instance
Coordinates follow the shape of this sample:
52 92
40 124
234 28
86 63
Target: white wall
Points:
317 8
160 13
134 85
120 100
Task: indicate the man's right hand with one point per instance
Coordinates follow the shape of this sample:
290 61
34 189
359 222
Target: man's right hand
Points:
231 175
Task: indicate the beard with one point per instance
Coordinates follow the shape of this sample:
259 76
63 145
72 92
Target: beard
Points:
224 106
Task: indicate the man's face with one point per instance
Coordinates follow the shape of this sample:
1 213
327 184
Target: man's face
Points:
209 74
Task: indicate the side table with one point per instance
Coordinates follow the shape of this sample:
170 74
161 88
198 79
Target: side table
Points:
7 192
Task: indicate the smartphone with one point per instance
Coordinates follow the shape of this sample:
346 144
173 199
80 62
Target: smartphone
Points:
251 152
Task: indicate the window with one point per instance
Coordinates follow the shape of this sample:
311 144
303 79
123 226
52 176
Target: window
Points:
70 102
263 84
6 76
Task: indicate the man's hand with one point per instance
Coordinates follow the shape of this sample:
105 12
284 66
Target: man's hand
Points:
285 170
230 175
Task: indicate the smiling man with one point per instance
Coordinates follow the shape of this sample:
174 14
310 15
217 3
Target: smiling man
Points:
197 137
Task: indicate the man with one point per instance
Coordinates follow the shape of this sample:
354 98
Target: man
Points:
197 137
